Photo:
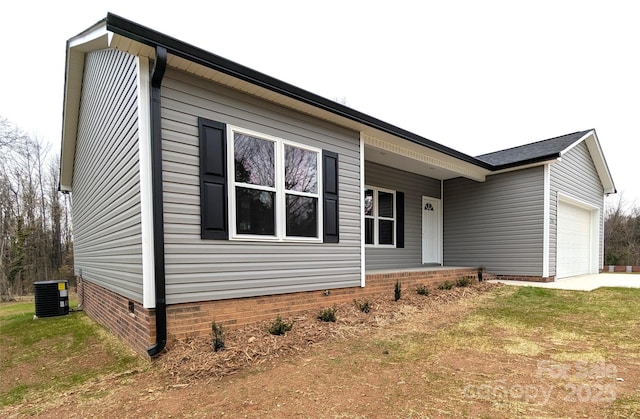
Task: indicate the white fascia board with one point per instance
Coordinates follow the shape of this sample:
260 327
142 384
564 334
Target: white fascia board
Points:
600 163
591 140
93 39
575 143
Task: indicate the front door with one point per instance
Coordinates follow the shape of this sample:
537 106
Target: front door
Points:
431 230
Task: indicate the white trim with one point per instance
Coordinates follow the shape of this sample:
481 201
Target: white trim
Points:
601 229
146 195
576 201
597 155
441 222
92 39
278 189
546 214
376 218
572 145
363 274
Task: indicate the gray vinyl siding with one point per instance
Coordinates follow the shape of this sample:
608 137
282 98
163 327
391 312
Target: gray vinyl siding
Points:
575 176
199 270
497 224
414 187
106 192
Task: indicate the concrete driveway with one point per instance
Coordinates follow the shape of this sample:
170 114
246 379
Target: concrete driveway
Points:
584 282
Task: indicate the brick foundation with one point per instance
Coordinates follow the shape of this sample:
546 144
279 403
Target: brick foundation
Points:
111 310
525 278
186 320
194 319
620 268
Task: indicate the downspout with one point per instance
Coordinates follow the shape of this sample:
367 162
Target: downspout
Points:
159 67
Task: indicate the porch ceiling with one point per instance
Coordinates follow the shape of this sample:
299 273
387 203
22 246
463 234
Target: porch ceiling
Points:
398 161
410 157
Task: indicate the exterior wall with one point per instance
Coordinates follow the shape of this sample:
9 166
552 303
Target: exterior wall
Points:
202 270
575 176
106 191
414 187
497 224
194 319
135 325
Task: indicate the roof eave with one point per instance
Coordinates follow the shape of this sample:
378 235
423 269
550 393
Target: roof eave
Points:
597 155
94 38
529 162
147 36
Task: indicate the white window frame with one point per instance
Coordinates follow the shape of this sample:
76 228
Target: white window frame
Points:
279 189
376 218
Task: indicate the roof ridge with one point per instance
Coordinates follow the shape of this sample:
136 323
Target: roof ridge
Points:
534 142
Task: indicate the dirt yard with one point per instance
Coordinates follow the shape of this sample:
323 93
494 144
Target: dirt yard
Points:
444 355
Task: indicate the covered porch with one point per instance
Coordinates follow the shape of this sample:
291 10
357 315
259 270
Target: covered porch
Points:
404 205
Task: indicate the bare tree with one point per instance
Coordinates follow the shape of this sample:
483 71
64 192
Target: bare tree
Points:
622 234
33 243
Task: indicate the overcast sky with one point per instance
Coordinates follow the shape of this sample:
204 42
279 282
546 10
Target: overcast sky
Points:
477 76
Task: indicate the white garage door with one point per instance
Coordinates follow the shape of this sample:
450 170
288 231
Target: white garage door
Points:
574 240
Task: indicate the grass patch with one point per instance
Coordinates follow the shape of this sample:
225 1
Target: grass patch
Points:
54 353
556 324
438 361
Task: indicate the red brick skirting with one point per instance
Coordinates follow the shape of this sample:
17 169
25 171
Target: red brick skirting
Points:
111 310
620 268
195 319
525 278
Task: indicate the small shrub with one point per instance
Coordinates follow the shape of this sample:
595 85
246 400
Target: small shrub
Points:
364 306
217 333
422 290
463 282
280 327
397 291
446 285
327 315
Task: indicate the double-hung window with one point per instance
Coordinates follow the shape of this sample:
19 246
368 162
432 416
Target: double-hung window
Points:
380 217
274 188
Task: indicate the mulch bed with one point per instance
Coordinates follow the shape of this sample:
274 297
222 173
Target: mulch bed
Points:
194 359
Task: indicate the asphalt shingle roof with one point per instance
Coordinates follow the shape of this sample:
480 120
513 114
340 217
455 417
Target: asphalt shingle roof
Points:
533 152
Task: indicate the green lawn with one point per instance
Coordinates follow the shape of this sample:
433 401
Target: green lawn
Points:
40 355
510 352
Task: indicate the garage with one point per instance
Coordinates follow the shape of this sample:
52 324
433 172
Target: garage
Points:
575 243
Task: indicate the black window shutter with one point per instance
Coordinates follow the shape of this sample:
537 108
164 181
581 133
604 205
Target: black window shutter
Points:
330 196
213 180
400 220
